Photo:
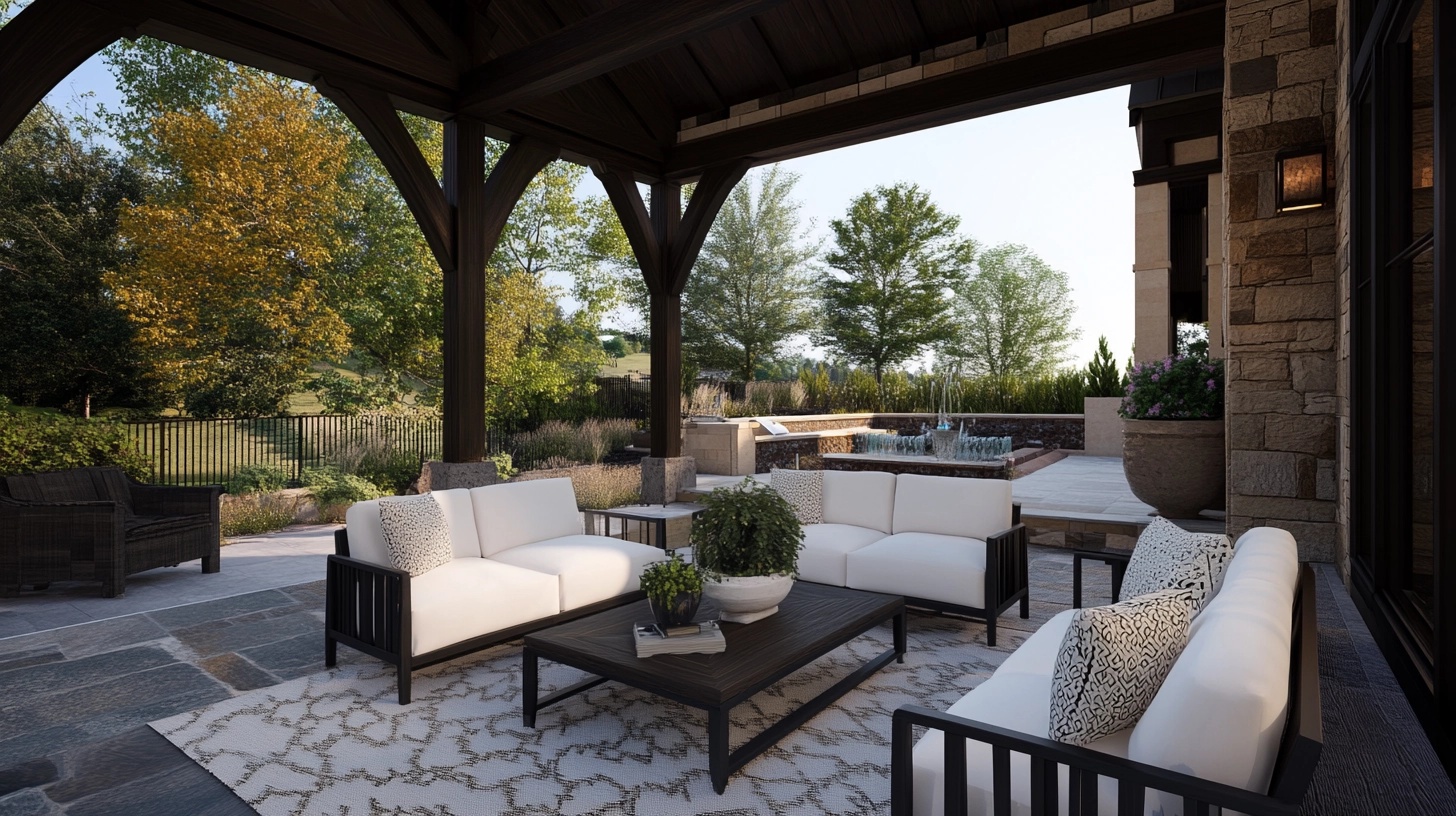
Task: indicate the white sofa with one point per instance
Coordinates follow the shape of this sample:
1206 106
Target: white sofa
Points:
945 543
520 563
1216 730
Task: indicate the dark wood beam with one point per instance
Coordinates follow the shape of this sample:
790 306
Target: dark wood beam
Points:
1152 48
708 197
377 120
621 187
594 46
481 207
46 42
642 155
432 28
665 324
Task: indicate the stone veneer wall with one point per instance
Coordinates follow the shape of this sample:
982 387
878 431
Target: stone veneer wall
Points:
1343 276
1280 91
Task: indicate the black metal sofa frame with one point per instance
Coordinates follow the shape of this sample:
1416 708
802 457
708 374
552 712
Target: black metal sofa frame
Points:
367 608
98 524
1299 751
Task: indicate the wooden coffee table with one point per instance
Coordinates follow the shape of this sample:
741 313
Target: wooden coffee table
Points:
811 622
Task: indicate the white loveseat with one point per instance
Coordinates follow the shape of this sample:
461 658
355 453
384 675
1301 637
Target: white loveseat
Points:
945 543
1236 724
520 563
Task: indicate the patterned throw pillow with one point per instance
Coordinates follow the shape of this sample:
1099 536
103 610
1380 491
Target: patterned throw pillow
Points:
415 533
1112 662
803 490
1169 557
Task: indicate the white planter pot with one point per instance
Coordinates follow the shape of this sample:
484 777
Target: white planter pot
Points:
750 598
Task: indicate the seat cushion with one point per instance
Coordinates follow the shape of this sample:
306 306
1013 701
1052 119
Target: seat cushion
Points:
948 505
474 596
415 533
803 490
950 569
1017 702
859 499
825 548
1111 663
1168 557
591 568
1038 653
516 513
141 528
366 537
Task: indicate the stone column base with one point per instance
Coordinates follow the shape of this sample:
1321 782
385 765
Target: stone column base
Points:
447 475
664 477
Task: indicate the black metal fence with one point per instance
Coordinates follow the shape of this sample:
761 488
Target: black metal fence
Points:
209 451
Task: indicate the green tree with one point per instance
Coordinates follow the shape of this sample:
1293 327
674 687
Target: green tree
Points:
615 347
63 341
896 256
751 289
1014 315
1104 379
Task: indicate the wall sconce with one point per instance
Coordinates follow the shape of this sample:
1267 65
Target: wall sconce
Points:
1301 180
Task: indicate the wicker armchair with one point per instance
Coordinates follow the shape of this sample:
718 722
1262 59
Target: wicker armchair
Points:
96 524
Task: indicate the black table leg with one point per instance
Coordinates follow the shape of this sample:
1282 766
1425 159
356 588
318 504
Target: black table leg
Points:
1076 580
528 687
718 748
1119 570
900 636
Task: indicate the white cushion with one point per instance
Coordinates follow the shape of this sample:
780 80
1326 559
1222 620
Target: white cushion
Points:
859 499
366 537
949 505
1221 711
922 565
474 596
1038 653
509 515
825 547
1111 663
1168 557
803 490
591 568
415 533
1017 702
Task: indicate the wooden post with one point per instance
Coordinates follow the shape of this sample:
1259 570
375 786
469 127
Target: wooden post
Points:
481 207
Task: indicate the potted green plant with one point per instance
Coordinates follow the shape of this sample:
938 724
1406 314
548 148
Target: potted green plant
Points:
747 543
674 589
1173 436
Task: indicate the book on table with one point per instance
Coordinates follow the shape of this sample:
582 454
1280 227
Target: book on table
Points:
650 640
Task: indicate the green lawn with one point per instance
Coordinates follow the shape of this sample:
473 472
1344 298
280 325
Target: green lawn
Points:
640 363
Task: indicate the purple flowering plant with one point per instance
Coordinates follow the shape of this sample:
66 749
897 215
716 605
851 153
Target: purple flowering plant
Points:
1178 387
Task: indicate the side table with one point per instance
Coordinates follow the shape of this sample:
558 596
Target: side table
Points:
652 518
1113 558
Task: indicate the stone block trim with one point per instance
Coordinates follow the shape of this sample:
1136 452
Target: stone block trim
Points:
1285 418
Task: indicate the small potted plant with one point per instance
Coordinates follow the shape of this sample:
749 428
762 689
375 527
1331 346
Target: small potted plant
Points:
747 543
674 589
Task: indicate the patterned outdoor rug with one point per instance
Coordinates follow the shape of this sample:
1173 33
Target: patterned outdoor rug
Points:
338 742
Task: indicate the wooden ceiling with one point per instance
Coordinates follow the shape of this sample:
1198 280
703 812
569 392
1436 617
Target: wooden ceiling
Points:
619 80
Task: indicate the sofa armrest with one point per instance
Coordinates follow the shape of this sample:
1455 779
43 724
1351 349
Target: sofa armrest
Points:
1006 567
1084 766
165 500
367 606
42 541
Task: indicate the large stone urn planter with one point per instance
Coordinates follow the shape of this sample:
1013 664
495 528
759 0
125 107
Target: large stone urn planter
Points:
1177 466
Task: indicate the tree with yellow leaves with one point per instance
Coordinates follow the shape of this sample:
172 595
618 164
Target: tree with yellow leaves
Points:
224 291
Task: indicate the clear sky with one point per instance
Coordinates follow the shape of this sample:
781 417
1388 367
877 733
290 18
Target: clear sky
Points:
1055 177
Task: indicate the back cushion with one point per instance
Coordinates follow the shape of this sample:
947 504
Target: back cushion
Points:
366 536
516 513
950 505
1220 713
862 499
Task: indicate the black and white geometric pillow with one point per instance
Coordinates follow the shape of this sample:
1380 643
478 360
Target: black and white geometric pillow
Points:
1112 662
803 490
1169 557
415 533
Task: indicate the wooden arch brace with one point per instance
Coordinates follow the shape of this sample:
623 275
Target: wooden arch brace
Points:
480 207
378 122
667 242
43 45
